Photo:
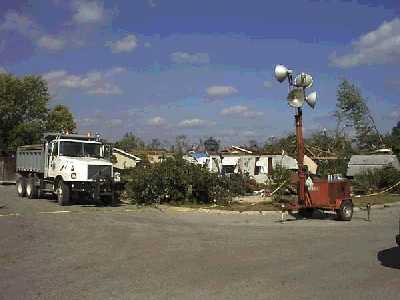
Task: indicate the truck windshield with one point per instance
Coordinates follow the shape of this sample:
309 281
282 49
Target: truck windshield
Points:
77 149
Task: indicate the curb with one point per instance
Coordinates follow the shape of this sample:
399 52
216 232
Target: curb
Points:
263 212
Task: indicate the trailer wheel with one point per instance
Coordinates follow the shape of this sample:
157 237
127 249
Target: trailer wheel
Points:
21 186
63 193
306 212
345 212
31 188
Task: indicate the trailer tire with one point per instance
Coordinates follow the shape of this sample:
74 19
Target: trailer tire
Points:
345 212
31 188
21 186
306 212
63 193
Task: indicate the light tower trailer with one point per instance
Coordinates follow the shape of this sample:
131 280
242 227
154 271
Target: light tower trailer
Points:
66 164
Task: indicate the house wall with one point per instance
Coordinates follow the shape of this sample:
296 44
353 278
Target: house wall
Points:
123 161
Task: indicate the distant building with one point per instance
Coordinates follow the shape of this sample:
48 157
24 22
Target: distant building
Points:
124 160
360 164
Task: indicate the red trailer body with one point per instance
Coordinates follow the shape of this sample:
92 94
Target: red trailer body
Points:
328 194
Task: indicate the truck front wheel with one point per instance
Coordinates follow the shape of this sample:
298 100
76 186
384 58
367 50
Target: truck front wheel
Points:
345 212
21 186
63 193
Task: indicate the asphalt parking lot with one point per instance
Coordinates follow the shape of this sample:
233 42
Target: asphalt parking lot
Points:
87 252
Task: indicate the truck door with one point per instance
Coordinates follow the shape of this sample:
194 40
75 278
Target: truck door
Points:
52 159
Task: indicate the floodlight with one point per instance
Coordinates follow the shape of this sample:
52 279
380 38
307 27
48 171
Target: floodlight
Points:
311 99
296 97
303 80
281 72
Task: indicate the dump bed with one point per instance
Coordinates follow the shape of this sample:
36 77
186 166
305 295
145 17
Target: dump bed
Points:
30 158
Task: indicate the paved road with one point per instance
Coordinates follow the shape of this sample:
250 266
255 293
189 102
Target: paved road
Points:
123 253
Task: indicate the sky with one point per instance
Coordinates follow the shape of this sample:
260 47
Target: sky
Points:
162 68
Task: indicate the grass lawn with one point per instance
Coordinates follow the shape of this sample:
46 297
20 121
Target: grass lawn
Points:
358 201
378 199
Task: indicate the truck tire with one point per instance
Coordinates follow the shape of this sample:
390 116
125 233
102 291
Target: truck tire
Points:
63 193
345 212
21 186
31 188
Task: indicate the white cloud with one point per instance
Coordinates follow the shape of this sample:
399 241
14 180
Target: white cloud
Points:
113 123
151 3
22 24
3 70
220 91
187 58
268 84
194 123
115 71
240 110
126 44
380 46
156 121
237 109
27 27
95 83
52 43
105 89
88 12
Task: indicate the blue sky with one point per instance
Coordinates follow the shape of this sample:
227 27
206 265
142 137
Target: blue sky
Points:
162 68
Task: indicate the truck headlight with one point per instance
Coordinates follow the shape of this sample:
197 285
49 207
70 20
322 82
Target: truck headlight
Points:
73 175
117 177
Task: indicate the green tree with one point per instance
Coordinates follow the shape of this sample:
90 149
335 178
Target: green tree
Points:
181 144
393 139
130 142
60 119
287 144
211 145
155 144
325 144
23 110
352 109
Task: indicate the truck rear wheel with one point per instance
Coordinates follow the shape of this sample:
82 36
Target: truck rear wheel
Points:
31 188
345 212
21 186
63 193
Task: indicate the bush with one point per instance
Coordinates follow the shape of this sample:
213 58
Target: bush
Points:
280 178
377 180
176 180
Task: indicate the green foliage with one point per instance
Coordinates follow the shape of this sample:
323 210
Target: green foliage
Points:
377 180
276 145
60 119
211 145
176 180
130 142
393 140
23 110
280 179
329 144
351 109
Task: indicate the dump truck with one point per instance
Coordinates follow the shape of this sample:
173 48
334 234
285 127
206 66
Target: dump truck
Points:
67 165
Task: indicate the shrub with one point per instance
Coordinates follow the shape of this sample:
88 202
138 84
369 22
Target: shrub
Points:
176 180
280 178
377 180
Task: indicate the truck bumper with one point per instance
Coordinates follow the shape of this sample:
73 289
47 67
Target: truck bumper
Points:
93 187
